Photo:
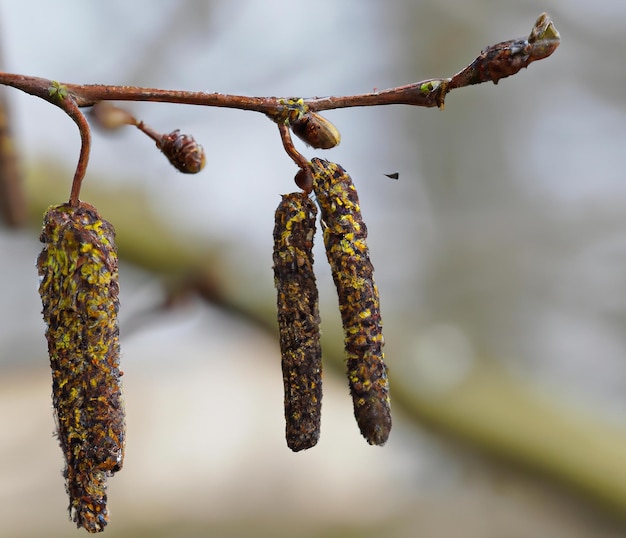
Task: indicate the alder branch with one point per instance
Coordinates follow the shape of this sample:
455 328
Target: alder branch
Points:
78 266
493 63
12 198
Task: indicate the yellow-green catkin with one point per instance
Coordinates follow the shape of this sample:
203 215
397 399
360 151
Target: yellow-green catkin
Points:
298 319
79 291
345 236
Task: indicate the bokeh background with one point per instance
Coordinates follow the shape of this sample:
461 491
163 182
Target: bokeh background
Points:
500 256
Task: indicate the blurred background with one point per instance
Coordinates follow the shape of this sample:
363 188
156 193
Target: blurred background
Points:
500 257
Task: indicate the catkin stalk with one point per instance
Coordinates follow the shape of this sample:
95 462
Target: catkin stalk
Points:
79 291
298 319
345 236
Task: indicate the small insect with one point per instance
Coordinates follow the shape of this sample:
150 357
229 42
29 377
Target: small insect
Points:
185 154
79 292
316 131
345 236
393 175
298 319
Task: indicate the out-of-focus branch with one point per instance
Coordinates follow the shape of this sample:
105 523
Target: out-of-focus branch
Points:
490 410
12 198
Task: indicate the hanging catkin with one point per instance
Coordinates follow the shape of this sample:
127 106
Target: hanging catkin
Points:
79 291
298 319
345 236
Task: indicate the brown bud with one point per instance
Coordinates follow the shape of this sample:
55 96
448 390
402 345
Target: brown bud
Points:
79 291
108 116
185 154
304 179
316 131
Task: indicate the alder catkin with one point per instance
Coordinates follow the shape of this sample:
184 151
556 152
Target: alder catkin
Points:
79 291
345 236
298 319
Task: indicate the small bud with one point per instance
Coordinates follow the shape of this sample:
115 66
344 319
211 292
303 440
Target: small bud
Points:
110 117
57 90
185 154
304 179
316 131
79 291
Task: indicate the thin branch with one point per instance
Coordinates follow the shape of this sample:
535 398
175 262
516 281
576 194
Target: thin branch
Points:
304 177
57 94
83 159
12 196
496 62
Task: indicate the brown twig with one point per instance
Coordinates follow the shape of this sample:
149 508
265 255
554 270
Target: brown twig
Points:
494 63
509 56
85 138
304 178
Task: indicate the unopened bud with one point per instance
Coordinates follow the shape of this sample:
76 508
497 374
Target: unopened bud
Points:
108 116
304 179
316 131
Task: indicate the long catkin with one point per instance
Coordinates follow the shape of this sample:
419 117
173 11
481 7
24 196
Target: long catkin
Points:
298 319
345 236
79 291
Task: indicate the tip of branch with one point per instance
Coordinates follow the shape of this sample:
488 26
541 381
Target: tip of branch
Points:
507 58
544 38
544 30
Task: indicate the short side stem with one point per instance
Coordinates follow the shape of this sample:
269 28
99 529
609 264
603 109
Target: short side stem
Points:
74 112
